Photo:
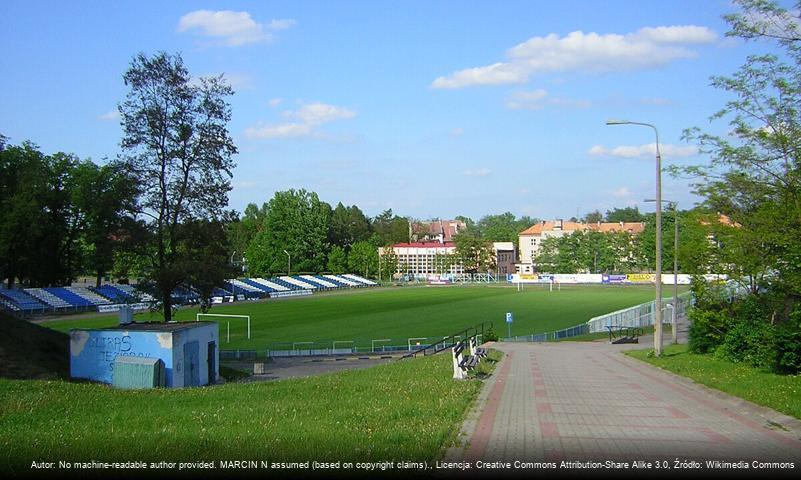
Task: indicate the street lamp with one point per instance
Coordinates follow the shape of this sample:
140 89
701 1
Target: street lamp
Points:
289 264
675 266
232 283
658 279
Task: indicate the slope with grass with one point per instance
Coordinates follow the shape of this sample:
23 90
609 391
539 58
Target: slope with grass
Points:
401 313
779 392
407 410
32 351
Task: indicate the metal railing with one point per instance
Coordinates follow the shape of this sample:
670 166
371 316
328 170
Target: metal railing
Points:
451 340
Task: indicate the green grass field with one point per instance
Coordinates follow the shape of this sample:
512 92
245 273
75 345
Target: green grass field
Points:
779 392
405 312
405 410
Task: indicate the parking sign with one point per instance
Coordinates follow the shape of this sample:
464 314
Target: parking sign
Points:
509 318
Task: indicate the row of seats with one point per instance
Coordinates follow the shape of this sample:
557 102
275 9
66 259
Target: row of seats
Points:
33 300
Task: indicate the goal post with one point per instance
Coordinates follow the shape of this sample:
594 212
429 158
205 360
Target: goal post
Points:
247 317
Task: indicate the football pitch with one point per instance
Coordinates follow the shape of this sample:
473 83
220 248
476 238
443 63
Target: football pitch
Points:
392 316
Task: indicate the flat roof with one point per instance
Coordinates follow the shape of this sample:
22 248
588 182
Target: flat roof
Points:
152 327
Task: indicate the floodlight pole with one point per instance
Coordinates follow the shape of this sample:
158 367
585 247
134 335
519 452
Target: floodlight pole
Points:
289 264
674 320
658 279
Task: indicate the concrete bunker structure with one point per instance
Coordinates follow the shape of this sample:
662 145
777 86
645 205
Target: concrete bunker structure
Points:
190 351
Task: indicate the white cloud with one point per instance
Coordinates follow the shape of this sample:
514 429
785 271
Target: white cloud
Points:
318 113
231 28
110 116
457 132
479 172
283 130
622 192
644 151
274 102
310 116
537 99
649 47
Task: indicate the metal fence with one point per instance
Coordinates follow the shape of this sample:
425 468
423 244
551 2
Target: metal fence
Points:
573 331
638 316
641 315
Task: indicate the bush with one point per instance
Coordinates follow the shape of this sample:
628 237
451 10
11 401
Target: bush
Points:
490 335
788 345
707 329
750 341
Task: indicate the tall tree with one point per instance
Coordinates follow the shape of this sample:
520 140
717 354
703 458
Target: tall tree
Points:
363 259
177 146
754 176
337 260
295 227
626 214
391 228
593 217
348 226
474 252
104 196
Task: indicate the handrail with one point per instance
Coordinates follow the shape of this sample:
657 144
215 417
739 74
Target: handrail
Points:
450 340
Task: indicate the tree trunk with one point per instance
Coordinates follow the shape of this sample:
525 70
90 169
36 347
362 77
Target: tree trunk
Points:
166 305
98 279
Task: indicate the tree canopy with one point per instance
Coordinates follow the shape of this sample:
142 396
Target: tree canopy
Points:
177 146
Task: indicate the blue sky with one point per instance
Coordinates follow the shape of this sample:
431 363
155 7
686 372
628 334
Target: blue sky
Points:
433 109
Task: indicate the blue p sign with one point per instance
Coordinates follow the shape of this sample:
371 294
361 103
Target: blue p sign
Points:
509 318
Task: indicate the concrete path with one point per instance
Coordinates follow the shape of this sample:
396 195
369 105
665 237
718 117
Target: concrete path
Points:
587 401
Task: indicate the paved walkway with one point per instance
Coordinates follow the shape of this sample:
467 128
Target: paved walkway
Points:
587 401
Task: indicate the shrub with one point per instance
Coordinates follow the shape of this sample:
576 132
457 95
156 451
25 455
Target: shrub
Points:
490 335
751 341
707 329
788 345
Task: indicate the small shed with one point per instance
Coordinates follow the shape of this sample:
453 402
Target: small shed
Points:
189 351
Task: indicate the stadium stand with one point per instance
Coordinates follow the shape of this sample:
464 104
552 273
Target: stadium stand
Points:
276 287
113 293
260 286
19 301
299 283
320 285
135 293
242 288
219 292
336 283
359 279
340 279
88 295
69 297
48 298
287 285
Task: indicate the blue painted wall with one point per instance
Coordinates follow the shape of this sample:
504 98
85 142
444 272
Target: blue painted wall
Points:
92 352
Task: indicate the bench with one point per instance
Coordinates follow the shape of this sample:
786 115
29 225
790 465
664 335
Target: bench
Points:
476 350
462 364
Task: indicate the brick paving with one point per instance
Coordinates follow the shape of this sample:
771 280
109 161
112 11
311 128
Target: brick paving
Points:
587 401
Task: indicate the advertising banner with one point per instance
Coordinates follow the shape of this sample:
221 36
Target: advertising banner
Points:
640 277
613 278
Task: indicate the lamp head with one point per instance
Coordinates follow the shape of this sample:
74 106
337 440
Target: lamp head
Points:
616 122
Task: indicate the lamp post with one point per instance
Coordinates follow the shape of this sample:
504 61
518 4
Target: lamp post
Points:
658 279
289 264
232 283
674 321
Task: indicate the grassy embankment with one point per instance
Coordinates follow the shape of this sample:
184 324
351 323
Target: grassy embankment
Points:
779 392
406 410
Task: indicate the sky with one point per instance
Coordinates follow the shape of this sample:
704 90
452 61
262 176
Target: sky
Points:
431 108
